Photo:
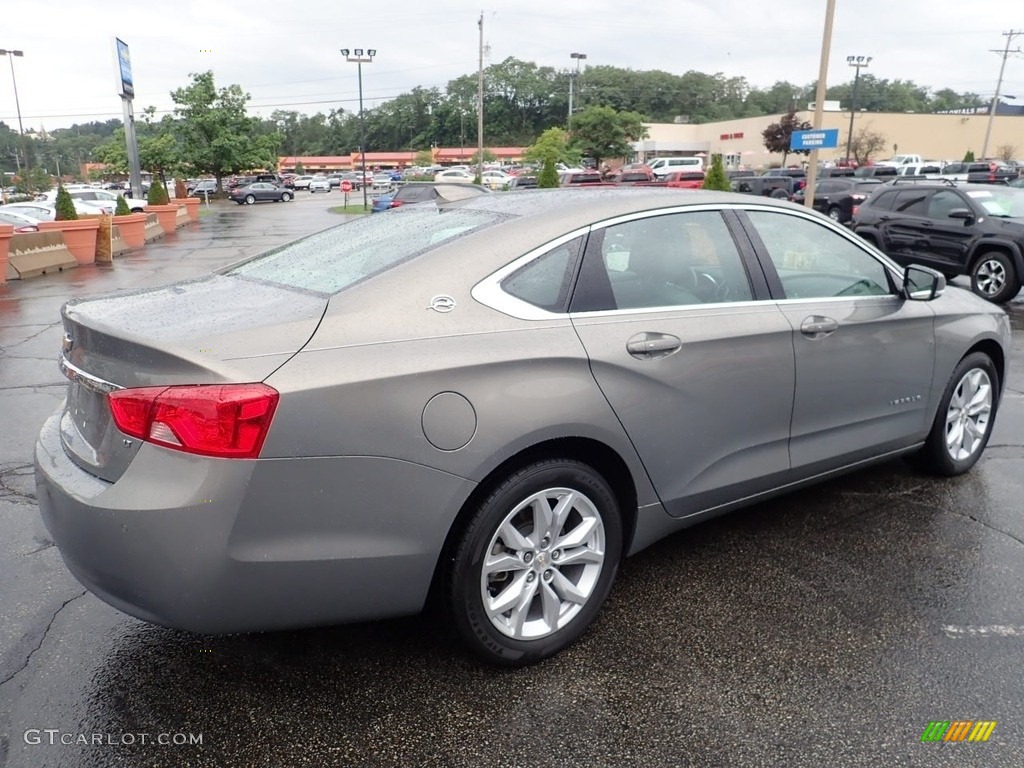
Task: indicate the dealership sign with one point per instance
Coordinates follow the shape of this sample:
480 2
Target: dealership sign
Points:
125 86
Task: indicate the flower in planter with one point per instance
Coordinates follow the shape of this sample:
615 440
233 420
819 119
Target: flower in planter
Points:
65 206
121 207
157 194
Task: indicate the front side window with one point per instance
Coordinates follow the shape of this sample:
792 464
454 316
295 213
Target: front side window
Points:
814 262
679 259
943 202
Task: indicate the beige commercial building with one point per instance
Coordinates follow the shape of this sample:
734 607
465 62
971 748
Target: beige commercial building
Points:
934 137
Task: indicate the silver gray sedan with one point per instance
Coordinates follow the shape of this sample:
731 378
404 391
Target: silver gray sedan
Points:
494 402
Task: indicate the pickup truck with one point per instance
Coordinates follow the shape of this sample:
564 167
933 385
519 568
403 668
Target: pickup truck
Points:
978 173
685 179
897 161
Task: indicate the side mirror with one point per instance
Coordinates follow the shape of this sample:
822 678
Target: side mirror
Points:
961 213
922 284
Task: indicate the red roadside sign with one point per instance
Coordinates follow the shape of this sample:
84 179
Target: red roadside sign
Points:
346 186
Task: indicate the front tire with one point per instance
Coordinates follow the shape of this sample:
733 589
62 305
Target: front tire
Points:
535 562
285 197
964 420
994 278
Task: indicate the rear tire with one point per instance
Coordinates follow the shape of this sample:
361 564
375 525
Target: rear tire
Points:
994 278
964 419
249 199
835 213
535 562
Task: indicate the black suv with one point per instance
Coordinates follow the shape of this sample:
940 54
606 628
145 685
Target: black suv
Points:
958 229
839 198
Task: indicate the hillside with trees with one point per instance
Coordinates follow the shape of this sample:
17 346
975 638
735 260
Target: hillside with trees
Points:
521 101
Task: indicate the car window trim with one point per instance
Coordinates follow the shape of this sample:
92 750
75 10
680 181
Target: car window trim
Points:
894 272
490 293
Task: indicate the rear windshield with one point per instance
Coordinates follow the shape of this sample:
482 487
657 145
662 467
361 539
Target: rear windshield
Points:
341 256
415 193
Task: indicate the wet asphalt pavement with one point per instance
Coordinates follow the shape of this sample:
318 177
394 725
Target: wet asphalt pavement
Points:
826 628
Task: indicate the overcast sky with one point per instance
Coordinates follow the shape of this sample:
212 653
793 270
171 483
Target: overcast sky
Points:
285 54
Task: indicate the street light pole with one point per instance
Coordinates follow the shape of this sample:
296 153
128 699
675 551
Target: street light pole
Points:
858 62
17 105
360 57
572 79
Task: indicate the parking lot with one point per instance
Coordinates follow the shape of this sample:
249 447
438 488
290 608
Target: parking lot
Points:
827 627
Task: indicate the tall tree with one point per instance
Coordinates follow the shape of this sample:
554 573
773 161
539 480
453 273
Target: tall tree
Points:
217 136
777 136
601 132
552 145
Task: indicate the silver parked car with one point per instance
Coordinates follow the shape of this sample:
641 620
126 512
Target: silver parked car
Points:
498 399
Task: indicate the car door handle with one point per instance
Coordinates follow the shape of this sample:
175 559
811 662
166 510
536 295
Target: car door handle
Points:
651 346
818 327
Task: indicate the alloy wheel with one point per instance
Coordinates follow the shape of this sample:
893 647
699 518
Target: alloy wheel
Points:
543 563
990 277
967 418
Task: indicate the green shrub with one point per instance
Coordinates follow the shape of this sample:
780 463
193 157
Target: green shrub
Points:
65 205
548 178
157 194
121 208
717 178
969 157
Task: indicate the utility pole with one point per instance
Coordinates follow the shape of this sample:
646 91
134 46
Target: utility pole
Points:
480 105
1005 53
819 100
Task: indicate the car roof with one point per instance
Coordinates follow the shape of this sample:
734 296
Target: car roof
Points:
577 207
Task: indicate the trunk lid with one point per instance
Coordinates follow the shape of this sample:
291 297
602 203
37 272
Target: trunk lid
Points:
218 329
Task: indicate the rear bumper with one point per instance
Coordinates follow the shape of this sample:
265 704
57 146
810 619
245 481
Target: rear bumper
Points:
216 546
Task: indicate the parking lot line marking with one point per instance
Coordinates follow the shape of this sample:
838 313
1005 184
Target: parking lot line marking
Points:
989 630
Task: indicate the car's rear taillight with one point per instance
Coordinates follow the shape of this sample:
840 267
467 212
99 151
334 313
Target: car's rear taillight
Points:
228 421
397 204
854 211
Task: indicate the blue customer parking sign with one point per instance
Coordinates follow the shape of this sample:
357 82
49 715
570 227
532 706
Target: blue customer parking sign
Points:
825 138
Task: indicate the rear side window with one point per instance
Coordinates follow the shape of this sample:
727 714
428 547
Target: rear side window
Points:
341 256
910 202
546 281
671 260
